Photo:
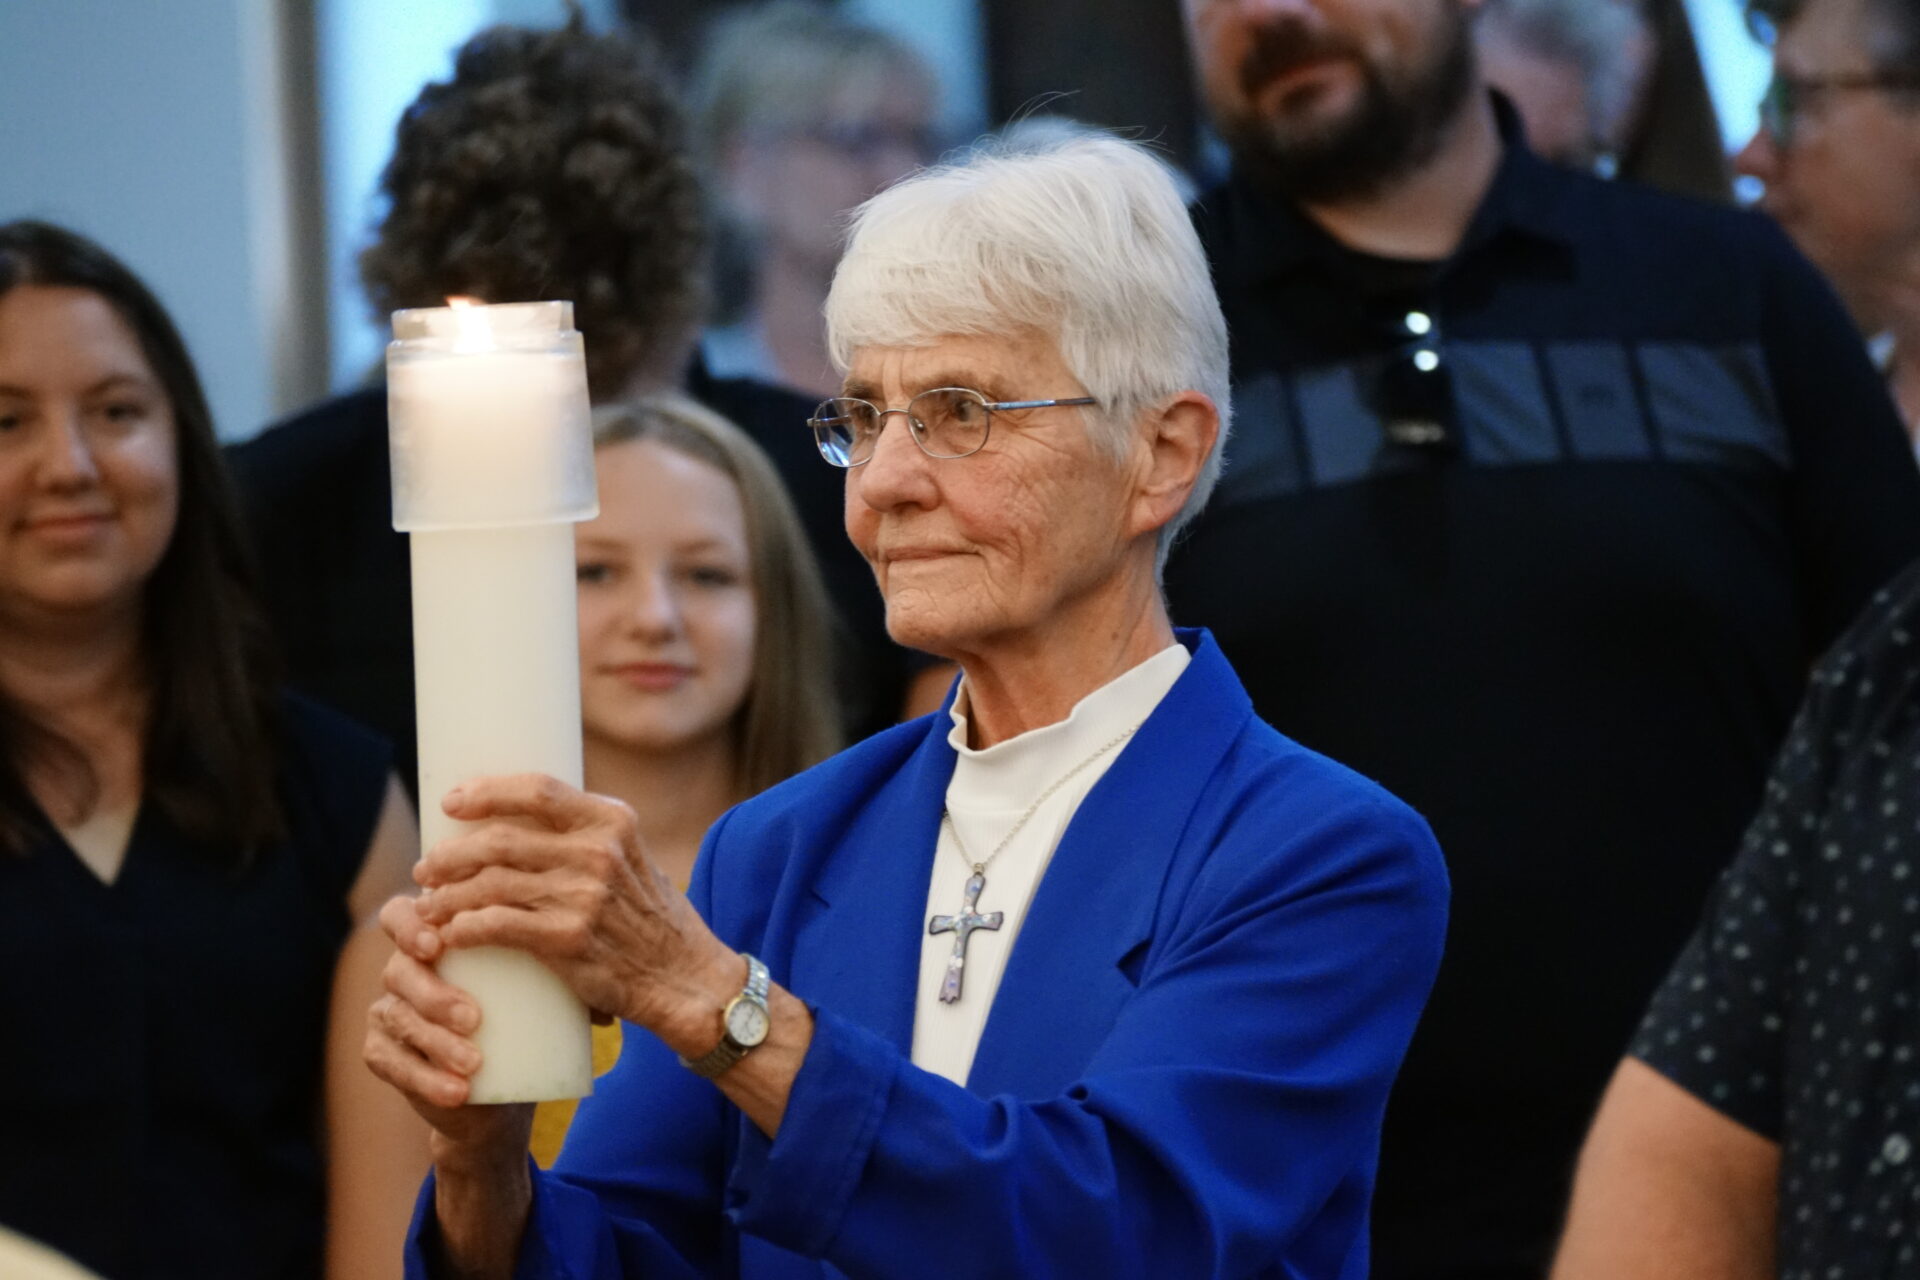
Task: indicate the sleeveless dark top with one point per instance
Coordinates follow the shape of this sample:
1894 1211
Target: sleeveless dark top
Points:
162 1038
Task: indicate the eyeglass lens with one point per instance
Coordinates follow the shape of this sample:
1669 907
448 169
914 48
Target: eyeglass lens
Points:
1778 108
946 422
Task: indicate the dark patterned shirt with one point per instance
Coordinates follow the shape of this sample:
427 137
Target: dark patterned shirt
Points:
1795 1009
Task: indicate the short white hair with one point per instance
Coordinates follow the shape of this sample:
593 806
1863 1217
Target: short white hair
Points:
1085 239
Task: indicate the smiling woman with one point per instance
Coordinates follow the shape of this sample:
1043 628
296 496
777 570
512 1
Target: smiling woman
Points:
185 853
705 634
705 641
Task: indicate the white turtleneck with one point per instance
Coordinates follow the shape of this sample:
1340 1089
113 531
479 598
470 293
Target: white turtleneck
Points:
990 789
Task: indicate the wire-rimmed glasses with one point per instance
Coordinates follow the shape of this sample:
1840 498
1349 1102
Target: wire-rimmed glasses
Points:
1789 97
946 422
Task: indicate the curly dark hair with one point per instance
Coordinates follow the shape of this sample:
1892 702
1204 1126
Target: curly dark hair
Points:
554 164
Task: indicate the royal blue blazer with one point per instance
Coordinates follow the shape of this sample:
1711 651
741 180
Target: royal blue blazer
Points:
1183 1072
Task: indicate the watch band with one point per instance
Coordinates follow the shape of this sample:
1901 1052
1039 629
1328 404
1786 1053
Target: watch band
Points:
729 1050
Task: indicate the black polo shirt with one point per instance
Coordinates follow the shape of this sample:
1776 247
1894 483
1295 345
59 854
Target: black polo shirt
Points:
1570 630
1795 1010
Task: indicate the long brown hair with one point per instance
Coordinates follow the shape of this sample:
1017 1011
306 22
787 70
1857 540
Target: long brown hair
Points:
209 760
789 720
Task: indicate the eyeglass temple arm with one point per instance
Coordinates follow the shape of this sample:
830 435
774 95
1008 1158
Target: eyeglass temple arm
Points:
1038 404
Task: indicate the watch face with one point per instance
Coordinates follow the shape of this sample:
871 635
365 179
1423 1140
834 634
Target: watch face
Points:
747 1023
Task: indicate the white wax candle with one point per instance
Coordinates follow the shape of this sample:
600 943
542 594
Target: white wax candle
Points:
489 432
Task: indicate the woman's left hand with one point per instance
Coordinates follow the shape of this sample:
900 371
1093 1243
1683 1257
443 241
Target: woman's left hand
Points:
561 874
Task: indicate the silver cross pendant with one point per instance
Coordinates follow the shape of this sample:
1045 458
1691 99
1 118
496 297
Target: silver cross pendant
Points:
961 927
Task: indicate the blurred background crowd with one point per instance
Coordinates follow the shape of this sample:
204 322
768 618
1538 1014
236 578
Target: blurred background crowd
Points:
1632 463
258 180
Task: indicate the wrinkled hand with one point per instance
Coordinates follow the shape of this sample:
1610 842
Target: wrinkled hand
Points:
560 874
417 1042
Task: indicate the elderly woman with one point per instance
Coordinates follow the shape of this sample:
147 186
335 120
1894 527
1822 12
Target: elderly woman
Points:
1093 974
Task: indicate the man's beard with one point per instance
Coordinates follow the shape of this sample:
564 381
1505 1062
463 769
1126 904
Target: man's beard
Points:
1390 133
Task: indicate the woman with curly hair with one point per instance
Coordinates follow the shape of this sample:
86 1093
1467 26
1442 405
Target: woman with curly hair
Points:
551 164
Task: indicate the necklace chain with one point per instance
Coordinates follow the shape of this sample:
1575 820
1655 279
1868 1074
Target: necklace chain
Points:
979 868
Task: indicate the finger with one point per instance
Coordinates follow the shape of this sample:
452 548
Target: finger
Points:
437 999
439 1047
400 918
534 796
497 886
424 1085
550 935
506 844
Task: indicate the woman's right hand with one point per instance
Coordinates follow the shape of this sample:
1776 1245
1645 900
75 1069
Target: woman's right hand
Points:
417 1041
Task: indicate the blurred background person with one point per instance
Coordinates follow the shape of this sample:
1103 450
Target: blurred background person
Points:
1611 86
551 164
705 640
188 858
1573 69
1839 151
1544 495
801 113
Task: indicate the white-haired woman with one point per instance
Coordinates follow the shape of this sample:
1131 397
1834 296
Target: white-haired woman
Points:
1223 940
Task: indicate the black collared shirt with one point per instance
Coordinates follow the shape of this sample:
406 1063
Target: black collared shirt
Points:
1795 1010
1571 634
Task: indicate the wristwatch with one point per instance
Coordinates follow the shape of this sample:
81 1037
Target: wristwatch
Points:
744 1023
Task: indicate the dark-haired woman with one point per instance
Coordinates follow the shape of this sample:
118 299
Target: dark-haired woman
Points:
186 856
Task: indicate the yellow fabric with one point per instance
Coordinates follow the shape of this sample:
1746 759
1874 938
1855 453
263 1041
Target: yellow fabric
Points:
551 1119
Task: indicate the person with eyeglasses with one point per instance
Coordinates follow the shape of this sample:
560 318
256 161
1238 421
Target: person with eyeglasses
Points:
801 111
1091 974
1544 494
1839 151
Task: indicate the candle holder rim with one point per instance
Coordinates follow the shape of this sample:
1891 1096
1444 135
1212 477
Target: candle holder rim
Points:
508 323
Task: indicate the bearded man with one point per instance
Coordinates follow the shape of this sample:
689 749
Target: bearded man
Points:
1543 494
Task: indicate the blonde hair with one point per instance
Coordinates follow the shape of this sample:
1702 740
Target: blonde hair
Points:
790 720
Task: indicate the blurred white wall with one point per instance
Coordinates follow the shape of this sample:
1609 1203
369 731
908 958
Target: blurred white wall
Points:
156 129
1736 65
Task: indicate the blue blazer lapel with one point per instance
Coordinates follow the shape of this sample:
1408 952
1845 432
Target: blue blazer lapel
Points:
859 952
1063 984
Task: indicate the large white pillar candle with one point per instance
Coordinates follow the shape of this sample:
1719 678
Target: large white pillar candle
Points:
492 463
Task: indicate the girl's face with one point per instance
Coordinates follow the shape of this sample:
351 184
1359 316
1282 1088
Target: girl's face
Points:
667 611
89 480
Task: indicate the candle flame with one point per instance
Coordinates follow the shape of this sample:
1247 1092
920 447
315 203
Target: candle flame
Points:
469 317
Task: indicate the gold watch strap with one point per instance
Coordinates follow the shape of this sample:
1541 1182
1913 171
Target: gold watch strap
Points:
729 1051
